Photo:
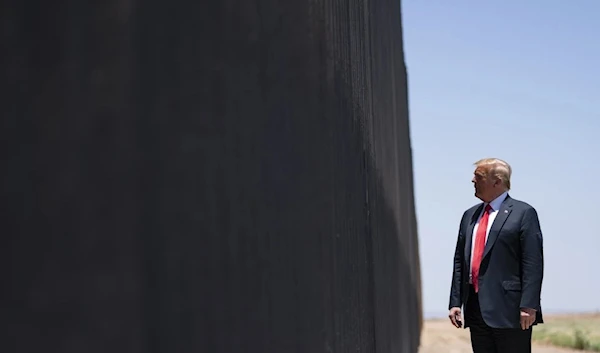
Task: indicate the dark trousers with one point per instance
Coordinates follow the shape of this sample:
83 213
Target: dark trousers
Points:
485 339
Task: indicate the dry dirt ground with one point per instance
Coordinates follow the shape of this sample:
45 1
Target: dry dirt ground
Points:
439 336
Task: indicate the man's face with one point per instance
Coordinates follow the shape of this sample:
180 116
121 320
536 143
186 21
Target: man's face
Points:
485 185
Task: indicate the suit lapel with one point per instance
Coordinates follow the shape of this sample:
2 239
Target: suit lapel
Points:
469 233
503 213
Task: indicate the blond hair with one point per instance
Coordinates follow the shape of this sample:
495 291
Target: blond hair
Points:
497 168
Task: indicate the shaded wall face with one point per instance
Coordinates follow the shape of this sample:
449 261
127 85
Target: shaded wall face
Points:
230 177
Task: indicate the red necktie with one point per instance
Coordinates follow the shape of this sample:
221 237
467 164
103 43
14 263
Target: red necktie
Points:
479 247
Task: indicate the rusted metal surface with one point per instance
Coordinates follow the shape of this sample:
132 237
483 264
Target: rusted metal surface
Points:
231 176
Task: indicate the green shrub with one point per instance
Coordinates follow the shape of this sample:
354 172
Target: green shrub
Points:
576 339
581 341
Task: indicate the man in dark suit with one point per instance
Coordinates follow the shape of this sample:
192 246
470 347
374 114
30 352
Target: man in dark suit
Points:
498 266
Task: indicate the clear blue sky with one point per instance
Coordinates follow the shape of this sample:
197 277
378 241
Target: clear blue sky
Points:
518 80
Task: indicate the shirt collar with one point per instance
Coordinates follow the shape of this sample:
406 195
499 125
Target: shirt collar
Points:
497 202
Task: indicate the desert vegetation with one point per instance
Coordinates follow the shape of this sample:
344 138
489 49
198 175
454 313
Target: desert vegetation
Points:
560 334
580 332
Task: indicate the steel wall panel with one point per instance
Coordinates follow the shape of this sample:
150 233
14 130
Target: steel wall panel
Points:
222 177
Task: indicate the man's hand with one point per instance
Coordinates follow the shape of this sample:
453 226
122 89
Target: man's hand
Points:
455 317
527 318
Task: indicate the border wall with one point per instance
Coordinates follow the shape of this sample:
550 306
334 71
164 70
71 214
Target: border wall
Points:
223 177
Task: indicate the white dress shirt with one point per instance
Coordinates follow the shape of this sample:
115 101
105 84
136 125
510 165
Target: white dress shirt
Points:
495 204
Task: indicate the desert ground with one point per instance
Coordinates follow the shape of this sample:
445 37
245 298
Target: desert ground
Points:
439 336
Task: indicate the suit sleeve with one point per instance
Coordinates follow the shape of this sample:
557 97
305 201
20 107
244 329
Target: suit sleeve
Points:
457 271
532 260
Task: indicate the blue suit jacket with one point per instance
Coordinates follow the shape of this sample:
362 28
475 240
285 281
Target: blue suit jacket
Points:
512 268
